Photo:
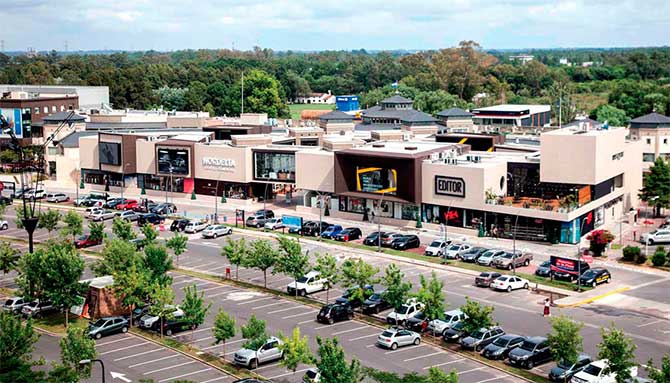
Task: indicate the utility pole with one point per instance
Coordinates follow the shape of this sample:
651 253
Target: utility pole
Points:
379 223
320 202
516 221
242 95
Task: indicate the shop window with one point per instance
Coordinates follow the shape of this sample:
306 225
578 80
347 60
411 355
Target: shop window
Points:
53 109
409 212
274 166
352 205
62 108
648 157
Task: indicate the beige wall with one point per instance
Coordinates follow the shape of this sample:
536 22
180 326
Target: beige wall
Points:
146 156
88 152
105 118
633 178
185 122
315 170
67 167
241 172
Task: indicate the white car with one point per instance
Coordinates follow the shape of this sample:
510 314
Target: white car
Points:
439 326
397 337
102 215
128 215
509 283
406 311
268 352
656 236
35 194
455 249
57 197
195 226
488 256
214 231
274 224
436 248
312 375
307 284
91 210
153 321
595 373
4 225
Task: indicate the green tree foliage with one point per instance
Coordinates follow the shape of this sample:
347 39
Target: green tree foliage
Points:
254 332
296 351
326 265
158 262
613 115
9 258
162 300
662 374
8 156
478 316
565 340
131 286
194 307
262 256
76 346
49 220
30 279
123 229
18 209
356 274
291 262
333 365
117 256
63 271
237 253
17 342
397 287
656 189
73 224
431 295
223 329
619 350
171 98
659 258
96 231
177 244
150 234
263 94
435 375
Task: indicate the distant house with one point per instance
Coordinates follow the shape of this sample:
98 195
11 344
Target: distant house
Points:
455 118
653 130
522 58
315 98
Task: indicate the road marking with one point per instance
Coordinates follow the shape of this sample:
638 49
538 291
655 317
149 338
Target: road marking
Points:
169 367
282 310
203 266
363 337
298 315
182 282
331 325
269 305
471 370
491 379
201 339
212 288
138 354
445 363
183 375
269 365
193 332
221 293
287 373
652 322
123 348
307 321
423 356
114 341
350 330
256 300
153 360
215 379
400 349
221 345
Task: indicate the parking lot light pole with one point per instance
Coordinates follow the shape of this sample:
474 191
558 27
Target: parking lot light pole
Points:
123 179
320 203
379 224
90 361
579 257
516 221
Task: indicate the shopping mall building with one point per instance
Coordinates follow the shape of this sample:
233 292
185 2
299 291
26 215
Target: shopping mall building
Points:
553 187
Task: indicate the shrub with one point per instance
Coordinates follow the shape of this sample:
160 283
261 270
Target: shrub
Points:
599 239
641 258
630 253
659 258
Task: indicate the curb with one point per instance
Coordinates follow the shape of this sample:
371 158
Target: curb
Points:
593 299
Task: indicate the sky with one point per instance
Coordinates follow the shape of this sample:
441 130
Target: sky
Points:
304 25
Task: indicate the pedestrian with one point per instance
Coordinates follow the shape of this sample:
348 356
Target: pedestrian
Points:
547 313
372 216
494 232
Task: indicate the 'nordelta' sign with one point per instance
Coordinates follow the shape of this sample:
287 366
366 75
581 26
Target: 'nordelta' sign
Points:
450 186
218 163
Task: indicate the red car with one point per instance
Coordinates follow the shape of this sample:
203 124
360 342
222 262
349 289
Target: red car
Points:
85 241
130 204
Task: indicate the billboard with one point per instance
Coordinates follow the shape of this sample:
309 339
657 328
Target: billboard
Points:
377 180
110 153
173 161
566 265
13 117
291 221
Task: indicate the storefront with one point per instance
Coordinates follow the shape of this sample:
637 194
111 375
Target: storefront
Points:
98 177
162 183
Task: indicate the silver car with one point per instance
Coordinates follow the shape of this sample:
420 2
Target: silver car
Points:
214 231
397 337
273 224
57 197
14 305
128 215
487 258
102 215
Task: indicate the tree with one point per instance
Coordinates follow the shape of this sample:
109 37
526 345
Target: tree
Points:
17 342
565 340
436 375
9 258
262 94
662 375
326 265
333 365
150 234
656 189
20 215
477 316
194 308
177 244
224 329
49 220
123 229
613 115
255 328
237 253
131 287
96 231
162 299
31 270
158 263
76 346
397 288
262 257
64 268
431 295
291 262
619 350
598 241
295 351
117 256
73 224
356 274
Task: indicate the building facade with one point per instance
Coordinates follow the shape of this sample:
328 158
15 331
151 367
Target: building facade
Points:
653 130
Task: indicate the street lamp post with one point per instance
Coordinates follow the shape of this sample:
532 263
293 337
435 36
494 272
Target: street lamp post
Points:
379 223
123 178
579 257
90 361
516 221
320 203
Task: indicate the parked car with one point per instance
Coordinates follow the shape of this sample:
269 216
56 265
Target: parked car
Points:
312 228
5 200
656 236
388 238
440 326
14 305
174 325
532 352
331 231
488 256
179 224
406 242
544 269
509 283
373 238
86 241
37 309
406 311
481 338
90 202
563 371
152 322
472 254
375 303
347 298
572 276
511 260
102 215
595 276
312 375
57 197
128 215
145 207
485 278
418 322
258 218
164 208
215 231
349 234
335 312
454 333
138 242
500 348
436 248
107 326
113 202
128 204
307 284
301 229
151 218
397 337
594 372
91 210
455 250
268 352
195 226
273 224
34 194
4 224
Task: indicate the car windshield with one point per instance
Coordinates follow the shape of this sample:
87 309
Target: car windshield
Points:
82 237
9 302
484 275
454 247
302 280
502 279
500 342
387 334
420 315
403 309
311 374
448 318
545 264
590 274
210 228
564 365
436 244
458 326
477 334
487 254
375 297
507 255
528 346
99 323
325 310
592 370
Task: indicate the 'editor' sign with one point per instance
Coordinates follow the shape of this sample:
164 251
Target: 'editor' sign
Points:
450 186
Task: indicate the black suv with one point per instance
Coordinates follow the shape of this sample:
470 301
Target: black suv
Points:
454 333
347 299
481 338
502 346
418 322
533 351
349 234
179 224
152 218
595 276
300 230
375 303
334 312
406 242
564 371
5 200
175 325
313 229
373 238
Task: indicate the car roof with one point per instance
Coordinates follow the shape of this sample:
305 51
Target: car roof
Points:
453 312
312 273
511 336
536 339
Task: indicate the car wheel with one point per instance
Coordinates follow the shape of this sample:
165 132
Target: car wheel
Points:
253 364
331 320
98 335
526 263
608 280
302 293
417 341
4 226
509 267
594 284
509 289
350 316
529 364
394 346
525 286
124 329
651 241
168 332
376 310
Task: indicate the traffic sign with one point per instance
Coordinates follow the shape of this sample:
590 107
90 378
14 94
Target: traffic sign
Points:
587 258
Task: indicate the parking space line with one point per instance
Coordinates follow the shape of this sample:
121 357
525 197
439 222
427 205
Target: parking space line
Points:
399 350
269 305
221 293
123 348
491 379
215 379
423 356
221 345
287 373
153 360
650 323
183 375
350 330
182 282
213 288
169 367
138 354
193 332
363 337
114 341
445 363
266 366
471 370
298 315
306 321
331 325
256 300
282 310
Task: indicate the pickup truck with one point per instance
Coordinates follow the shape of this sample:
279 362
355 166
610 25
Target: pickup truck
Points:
510 260
406 311
268 352
595 373
307 284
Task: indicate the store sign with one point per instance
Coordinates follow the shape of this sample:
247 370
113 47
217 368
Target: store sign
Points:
218 163
450 186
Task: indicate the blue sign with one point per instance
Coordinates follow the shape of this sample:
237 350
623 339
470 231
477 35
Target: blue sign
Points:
291 221
13 117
